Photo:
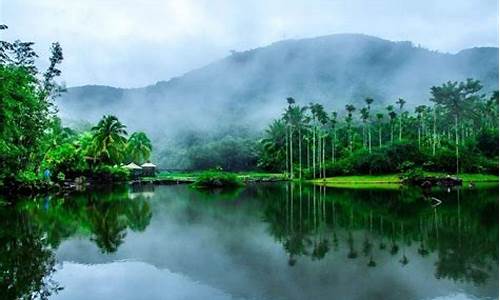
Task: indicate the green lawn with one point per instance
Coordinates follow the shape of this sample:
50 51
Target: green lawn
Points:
394 179
192 176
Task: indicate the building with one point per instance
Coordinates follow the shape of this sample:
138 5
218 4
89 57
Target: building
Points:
135 170
148 169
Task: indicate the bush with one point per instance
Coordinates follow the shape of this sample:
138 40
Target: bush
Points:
65 159
387 159
111 173
217 179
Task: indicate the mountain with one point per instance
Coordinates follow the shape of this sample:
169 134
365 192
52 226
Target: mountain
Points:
249 88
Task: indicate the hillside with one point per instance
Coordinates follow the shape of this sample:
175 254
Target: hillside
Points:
248 88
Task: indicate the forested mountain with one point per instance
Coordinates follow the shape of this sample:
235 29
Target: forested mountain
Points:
248 89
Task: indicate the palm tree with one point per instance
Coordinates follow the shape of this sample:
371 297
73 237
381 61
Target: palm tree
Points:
139 147
350 109
401 102
109 139
364 118
274 143
420 110
392 116
369 101
288 118
380 117
333 122
298 122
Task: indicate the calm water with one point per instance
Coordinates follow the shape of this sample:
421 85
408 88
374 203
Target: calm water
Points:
267 241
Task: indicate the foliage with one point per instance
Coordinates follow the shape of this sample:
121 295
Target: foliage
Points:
229 153
139 147
217 179
459 133
109 140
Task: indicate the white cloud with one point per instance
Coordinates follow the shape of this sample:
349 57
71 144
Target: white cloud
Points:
134 43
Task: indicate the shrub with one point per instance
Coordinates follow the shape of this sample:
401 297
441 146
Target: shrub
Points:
217 179
111 173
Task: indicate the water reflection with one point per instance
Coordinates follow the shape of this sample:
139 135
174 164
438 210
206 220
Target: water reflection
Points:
206 234
463 234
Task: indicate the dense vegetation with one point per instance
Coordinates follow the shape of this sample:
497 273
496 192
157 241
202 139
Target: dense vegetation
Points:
458 133
246 89
35 148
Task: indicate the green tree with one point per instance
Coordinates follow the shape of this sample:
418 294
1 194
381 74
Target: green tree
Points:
457 98
109 140
401 102
139 147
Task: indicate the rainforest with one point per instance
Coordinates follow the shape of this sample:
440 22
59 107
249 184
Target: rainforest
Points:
339 166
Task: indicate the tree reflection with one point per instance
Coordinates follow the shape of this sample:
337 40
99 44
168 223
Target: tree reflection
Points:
26 262
104 216
461 235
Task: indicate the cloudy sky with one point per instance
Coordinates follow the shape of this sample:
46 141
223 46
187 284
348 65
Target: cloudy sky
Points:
132 43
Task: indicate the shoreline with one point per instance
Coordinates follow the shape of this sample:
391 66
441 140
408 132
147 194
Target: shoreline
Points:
395 180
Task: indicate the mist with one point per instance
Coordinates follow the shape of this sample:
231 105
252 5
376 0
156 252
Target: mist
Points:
192 72
125 44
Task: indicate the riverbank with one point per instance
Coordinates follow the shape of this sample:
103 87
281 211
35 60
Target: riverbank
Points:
393 180
191 177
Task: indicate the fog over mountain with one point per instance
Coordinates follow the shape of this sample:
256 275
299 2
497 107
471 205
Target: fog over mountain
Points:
249 88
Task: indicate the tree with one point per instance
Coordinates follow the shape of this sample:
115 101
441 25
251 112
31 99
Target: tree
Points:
392 117
380 118
420 110
369 102
401 102
457 98
109 139
364 117
333 124
350 109
139 147
24 109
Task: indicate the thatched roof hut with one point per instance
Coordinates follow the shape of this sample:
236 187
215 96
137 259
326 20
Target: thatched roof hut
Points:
148 169
134 169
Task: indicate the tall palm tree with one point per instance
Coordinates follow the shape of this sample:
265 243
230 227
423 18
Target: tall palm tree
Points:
369 102
333 124
392 116
139 147
380 117
350 109
364 117
401 102
298 123
420 110
109 139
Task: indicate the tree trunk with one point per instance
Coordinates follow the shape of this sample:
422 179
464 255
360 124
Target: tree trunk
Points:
456 140
434 137
314 152
369 139
392 133
324 156
380 136
419 138
286 148
291 152
300 154
308 160
400 126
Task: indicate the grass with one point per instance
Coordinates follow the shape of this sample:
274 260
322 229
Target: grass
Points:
192 176
393 179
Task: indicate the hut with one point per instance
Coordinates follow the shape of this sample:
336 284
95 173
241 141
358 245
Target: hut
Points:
135 170
148 169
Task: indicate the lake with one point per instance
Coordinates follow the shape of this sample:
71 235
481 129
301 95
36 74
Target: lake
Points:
264 241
